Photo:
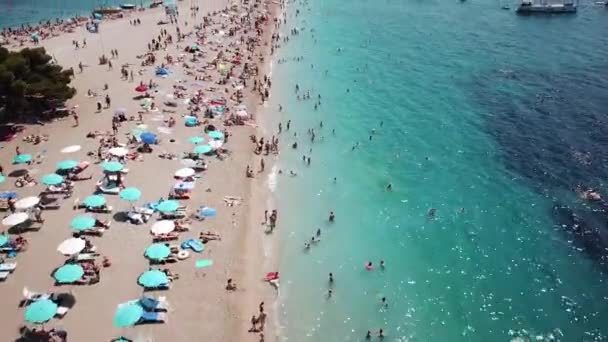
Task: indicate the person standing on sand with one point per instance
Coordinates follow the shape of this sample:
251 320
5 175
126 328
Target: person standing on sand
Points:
75 116
265 216
108 101
262 165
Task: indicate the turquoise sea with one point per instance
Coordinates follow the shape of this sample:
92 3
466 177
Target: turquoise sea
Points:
492 119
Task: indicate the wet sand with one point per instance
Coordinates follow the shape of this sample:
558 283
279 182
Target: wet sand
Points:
200 307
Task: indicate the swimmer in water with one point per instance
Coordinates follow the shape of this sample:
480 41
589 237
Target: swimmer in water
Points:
431 213
389 187
332 217
306 246
369 266
318 232
368 336
384 303
382 264
331 278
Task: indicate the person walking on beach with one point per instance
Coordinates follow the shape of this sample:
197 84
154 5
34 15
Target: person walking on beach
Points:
265 216
262 165
108 101
75 116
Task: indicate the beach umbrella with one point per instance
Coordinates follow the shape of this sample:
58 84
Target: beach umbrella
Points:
52 179
68 273
71 149
162 227
82 222
202 149
153 278
130 194
2 179
191 121
94 201
215 144
22 158
112 166
40 311
15 219
118 151
162 72
142 88
148 138
242 114
185 172
168 206
27 202
7 194
196 140
127 315
67 164
207 212
4 239
157 251
71 246
215 135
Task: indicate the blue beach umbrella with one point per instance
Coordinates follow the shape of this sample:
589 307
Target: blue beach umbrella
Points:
196 140
215 135
4 239
202 149
153 278
40 311
22 158
168 206
130 194
207 212
82 222
67 164
191 121
94 201
157 251
112 166
127 315
52 179
148 138
68 273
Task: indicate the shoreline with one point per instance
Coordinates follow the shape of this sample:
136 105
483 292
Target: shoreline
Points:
244 252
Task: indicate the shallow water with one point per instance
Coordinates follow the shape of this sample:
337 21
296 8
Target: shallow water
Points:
492 119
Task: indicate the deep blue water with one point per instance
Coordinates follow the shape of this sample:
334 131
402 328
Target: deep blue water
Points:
490 118
17 12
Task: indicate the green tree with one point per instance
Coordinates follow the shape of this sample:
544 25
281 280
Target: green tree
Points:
30 84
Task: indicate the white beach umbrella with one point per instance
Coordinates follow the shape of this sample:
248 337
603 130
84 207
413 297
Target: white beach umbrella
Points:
71 246
118 151
215 144
188 162
15 219
162 227
185 172
71 149
27 202
242 114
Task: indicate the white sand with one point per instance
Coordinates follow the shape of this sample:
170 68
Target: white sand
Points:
201 310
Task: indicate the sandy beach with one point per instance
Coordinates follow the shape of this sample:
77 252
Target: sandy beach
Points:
199 305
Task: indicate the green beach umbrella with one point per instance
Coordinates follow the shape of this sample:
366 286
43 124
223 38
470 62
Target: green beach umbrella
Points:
215 135
94 201
153 278
157 251
40 311
130 194
22 158
68 273
2 179
67 164
112 166
127 315
82 222
196 140
3 239
202 149
168 206
52 179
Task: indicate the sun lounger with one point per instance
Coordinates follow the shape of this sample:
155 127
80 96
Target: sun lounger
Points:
61 311
4 275
85 257
153 304
180 213
164 238
100 210
8 266
153 317
92 232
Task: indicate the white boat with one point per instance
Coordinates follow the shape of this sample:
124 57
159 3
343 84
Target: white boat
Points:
530 7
